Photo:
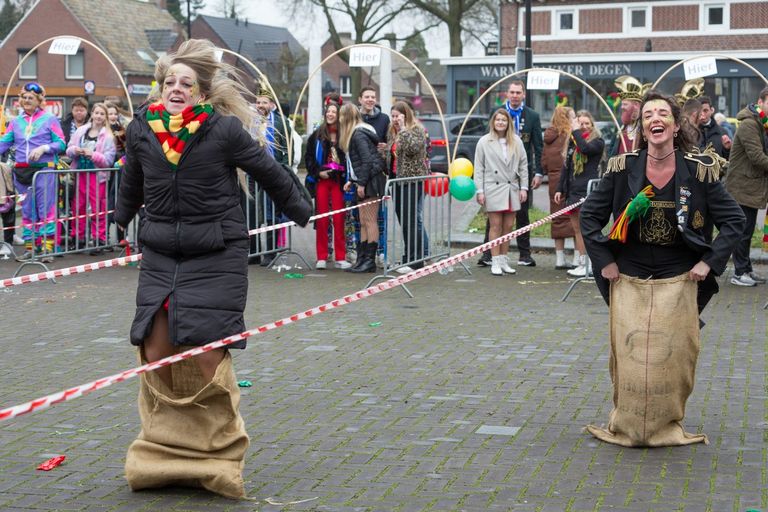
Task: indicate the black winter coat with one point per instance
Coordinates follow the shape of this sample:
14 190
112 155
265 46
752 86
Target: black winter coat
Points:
195 241
367 163
574 187
713 134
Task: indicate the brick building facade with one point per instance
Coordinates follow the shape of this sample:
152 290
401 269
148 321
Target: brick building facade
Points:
598 40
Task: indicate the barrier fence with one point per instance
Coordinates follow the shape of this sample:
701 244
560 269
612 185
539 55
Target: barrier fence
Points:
72 393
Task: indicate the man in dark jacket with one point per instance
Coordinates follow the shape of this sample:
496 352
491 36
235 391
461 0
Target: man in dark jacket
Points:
747 181
711 132
76 118
528 127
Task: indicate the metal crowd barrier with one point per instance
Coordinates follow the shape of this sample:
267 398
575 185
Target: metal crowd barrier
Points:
272 247
83 223
418 225
589 275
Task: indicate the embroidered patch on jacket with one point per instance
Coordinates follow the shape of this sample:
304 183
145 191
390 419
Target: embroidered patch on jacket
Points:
698 220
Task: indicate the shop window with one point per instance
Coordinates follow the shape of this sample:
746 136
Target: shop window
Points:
29 68
345 85
75 66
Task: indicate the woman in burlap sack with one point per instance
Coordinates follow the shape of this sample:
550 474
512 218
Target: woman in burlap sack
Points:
183 150
656 269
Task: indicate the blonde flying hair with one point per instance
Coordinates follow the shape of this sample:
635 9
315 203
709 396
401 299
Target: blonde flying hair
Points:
220 83
509 134
349 118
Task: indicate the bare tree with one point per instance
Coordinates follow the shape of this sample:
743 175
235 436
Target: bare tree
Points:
470 18
370 20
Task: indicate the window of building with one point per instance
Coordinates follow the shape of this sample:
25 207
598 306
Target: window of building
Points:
345 85
715 16
637 18
75 66
566 21
29 68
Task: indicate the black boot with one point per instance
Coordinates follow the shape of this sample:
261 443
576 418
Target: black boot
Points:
369 259
361 247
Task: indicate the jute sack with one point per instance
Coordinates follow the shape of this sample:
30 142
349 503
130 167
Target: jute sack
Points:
191 436
654 326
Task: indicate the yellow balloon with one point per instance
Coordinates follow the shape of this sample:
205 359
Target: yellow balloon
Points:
461 167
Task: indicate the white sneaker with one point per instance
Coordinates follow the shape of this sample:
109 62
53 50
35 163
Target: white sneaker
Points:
320 265
579 271
496 266
743 280
576 258
380 261
756 277
505 265
17 240
342 264
404 270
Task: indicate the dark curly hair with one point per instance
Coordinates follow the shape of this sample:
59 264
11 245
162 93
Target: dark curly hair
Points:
684 139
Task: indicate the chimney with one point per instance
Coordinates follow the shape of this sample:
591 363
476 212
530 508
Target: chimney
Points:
163 4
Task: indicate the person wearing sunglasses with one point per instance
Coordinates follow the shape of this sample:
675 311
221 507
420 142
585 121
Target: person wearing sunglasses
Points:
36 136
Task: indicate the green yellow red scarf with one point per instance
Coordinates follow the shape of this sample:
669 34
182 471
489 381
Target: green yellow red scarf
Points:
173 131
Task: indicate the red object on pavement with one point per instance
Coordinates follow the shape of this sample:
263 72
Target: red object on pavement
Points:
51 463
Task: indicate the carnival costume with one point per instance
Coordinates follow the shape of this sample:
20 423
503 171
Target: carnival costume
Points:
658 236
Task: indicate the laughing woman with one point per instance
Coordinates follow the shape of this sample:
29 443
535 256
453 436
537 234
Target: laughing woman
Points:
182 155
657 270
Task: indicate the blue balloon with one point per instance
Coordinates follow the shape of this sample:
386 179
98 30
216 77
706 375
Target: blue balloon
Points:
462 188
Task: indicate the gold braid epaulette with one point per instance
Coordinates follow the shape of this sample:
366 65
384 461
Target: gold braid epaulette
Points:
709 164
618 163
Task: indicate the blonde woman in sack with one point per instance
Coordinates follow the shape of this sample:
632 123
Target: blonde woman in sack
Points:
501 178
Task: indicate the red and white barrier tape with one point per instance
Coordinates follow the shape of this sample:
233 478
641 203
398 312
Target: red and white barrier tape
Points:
19 197
315 217
79 269
61 219
72 393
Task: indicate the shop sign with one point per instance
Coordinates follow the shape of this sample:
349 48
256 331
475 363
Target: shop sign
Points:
700 67
64 46
547 80
364 56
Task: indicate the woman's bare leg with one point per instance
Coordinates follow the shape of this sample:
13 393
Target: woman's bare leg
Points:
578 239
507 224
158 346
209 361
494 230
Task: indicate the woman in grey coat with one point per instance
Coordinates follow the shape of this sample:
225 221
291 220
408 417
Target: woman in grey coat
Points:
501 177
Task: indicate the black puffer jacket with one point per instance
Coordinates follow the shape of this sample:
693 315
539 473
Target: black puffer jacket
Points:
367 163
194 234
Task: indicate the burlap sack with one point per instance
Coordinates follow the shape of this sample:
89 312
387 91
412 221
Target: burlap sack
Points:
191 436
654 327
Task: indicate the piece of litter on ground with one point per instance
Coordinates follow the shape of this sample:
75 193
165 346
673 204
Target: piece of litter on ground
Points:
278 504
52 463
374 324
245 383
294 276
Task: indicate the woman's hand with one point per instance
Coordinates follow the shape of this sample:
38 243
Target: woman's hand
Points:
347 186
361 191
558 198
523 196
88 152
324 175
480 199
575 124
36 153
699 271
610 272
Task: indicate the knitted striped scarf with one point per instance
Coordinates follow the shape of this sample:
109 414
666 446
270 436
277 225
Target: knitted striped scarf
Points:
183 125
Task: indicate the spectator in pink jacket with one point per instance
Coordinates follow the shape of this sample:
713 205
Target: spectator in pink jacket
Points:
92 147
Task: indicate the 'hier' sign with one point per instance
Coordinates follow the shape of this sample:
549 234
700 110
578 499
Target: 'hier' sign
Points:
699 67
547 80
64 46
364 56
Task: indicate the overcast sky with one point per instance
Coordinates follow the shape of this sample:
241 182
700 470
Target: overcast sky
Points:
313 30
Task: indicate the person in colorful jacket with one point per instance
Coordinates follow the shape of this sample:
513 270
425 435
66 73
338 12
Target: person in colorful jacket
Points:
37 137
92 146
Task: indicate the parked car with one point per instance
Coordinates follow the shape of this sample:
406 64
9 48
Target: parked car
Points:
476 127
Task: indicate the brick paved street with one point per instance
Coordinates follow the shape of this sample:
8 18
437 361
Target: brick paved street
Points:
471 396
